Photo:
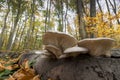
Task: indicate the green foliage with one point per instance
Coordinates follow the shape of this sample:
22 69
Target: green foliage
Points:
4 74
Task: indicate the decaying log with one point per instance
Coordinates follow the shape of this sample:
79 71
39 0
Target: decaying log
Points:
82 67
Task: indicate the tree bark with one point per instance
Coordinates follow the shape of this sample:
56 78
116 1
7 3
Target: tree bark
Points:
79 68
99 6
82 67
81 23
46 17
92 14
30 31
13 31
92 8
65 18
4 26
114 9
108 8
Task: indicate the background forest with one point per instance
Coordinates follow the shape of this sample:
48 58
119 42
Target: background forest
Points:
22 22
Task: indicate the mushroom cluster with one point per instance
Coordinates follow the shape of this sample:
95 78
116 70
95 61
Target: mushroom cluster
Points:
62 45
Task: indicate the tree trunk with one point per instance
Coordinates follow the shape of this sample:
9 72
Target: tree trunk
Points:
65 18
13 31
4 26
99 6
46 17
92 13
114 9
30 32
81 23
108 11
100 10
49 16
59 6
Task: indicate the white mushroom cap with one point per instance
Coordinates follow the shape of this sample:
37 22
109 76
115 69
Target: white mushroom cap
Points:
76 49
73 52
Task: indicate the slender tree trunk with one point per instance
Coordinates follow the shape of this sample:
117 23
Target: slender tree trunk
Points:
100 9
60 19
33 24
92 13
20 41
108 11
82 30
4 26
49 13
99 6
30 31
92 8
84 10
15 43
66 12
27 33
46 17
60 28
62 15
114 9
12 33
35 42
107 6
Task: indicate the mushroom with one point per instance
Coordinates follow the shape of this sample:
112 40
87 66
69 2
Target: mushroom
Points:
57 42
53 50
73 52
97 46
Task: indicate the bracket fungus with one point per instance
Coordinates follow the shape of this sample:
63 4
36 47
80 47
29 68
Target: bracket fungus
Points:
57 42
97 46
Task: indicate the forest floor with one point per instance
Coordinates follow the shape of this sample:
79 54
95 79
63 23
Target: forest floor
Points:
11 70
